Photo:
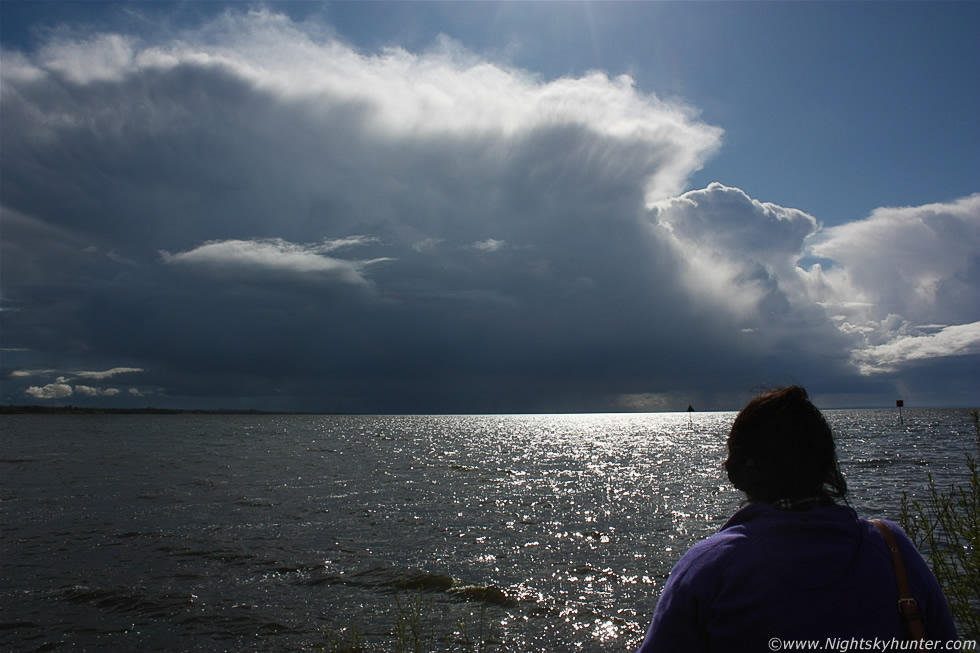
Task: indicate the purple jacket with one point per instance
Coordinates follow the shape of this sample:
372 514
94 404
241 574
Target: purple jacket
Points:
791 574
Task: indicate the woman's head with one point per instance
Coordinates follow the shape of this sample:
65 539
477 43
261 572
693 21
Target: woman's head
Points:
781 448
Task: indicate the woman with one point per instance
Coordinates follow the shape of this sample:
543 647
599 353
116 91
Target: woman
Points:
792 564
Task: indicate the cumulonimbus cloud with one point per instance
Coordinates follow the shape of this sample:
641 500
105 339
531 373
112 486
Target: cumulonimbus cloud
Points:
527 226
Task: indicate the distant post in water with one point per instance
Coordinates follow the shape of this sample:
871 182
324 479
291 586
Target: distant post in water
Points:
690 415
898 404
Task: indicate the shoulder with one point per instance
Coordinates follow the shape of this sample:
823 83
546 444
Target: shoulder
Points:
738 538
685 603
915 565
922 581
910 554
710 557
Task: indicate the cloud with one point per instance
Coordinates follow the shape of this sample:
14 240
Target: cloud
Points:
725 220
105 374
253 211
737 251
24 373
62 386
50 391
103 57
352 136
275 255
89 391
959 340
489 245
901 267
921 262
875 280
427 245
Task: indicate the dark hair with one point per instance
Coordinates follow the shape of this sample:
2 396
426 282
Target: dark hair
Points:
781 448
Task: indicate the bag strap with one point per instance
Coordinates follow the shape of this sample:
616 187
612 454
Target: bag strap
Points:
908 608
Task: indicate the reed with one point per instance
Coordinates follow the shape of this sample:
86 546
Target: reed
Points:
415 630
343 641
946 526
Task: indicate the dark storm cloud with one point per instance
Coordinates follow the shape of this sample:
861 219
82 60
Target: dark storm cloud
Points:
256 213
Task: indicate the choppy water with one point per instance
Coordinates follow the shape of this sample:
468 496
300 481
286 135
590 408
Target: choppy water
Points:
553 532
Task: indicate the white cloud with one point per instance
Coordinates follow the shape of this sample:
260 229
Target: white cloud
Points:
727 221
921 262
62 387
735 251
104 57
136 392
18 68
878 277
901 267
105 374
274 255
89 391
50 391
23 373
330 245
958 340
489 245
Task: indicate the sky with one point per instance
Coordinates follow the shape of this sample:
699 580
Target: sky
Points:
488 207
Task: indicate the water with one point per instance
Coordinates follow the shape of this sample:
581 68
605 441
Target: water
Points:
239 533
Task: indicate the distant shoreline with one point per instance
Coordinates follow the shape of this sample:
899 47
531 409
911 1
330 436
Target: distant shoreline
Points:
83 410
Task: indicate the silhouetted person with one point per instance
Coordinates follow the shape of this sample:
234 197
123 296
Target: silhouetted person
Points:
793 563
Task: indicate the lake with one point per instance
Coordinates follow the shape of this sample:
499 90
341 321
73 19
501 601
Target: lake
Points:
266 533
